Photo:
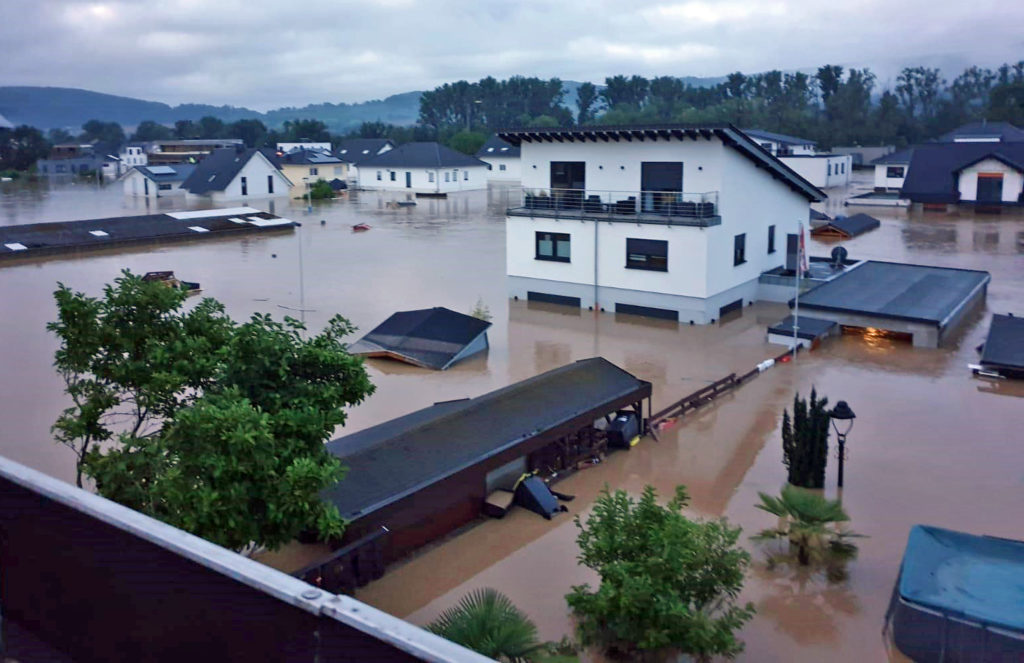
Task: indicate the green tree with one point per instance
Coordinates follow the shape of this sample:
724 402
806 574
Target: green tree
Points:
1006 103
467 142
321 190
59 136
212 426
211 127
295 131
150 130
252 132
805 441
103 132
668 583
186 129
21 147
586 98
808 522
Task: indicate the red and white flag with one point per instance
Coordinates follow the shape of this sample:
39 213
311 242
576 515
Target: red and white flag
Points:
802 252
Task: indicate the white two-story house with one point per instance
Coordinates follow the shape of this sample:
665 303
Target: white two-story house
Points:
669 221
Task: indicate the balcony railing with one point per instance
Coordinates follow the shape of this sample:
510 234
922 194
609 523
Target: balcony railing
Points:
668 207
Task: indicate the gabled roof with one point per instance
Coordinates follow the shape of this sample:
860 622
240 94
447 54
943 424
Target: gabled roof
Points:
307 157
1003 131
422 155
932 176
1004 347
898 158
430 338
218 170
496 147
848 226
399 457
727 133
777 138
178 172
355 150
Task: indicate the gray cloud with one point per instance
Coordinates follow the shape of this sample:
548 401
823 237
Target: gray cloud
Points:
271 53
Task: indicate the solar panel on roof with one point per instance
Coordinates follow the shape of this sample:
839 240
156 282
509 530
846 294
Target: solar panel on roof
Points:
162 170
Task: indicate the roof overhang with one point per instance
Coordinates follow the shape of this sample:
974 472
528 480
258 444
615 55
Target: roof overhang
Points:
997 157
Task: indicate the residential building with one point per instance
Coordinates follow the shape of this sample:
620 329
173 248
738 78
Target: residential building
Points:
502 160
133 154
823 170
285 148
71 159
671 221
354 150
891 170
984 132
423 168
187 151
305 167
985 174
156 181
237 174
863 155
781 145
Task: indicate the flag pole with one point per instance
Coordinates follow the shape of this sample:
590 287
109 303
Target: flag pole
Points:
796 298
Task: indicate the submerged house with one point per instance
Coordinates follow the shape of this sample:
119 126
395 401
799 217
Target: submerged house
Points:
156 181
303 167
425 167
985 174
430 338
502 160
891 170
669 221
354 150
845 227
236 174
823 170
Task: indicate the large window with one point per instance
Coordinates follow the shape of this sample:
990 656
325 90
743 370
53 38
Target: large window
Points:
447 176
649 254
270 184
739 249
895 172
430 176
553 246
314 172
771 239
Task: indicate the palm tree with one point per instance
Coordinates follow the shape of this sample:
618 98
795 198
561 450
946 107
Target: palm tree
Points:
487 621
805 520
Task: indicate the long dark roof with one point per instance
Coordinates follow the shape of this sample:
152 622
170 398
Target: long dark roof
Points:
899 157
496 147
898 291
851 226
1004 131
216 171
430 337
355 150
932 176
777 138
392 460
1004 347
308 157
422 155
727 133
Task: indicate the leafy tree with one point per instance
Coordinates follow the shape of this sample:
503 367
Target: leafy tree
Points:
487 621
21 147
321 190
586 98
150 130
186 129
805 441
808 522
252 132
212 426
1007 103
467 142
58 136
305 130
667 582
103 132
211 127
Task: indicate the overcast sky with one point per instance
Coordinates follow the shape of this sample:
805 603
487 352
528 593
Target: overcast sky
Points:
271 53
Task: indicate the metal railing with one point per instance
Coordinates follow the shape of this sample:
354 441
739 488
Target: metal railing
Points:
673 207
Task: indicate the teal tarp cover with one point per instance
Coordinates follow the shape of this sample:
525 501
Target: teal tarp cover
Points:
977 577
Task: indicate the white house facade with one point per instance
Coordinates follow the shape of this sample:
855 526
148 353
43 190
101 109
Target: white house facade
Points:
236 174
423 168
502 159
156 181
822 170
779 145
891 170
672 222
990 180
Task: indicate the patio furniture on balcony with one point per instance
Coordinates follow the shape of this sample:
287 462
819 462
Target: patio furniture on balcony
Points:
627 206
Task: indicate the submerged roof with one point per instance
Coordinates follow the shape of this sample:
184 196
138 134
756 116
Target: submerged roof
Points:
218 169
898 291
1003 131
1004 346
422 155
900 157
777 138
355 150
431 337
964 575
932 177
807 327
727 133
399 457
496 147
848 226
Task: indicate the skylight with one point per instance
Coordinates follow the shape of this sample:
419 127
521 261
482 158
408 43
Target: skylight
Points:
98 233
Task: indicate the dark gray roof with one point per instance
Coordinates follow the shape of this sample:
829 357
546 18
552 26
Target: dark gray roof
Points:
897 158
1002 130
918 293
932 176
727 133
216 171
496 147
308 157
1004 347
430 337
851 226
422 155
819 216
777 138
179 172
355 150
399 457
809 328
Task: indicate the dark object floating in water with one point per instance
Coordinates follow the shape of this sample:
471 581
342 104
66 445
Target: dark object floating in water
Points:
430 338
360 227
535 495
273 255
1002 353
845 227
323 222
190 287
429 194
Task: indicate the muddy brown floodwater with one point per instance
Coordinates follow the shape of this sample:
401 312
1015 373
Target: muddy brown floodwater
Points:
930 444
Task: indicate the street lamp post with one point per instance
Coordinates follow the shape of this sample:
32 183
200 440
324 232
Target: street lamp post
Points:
309 195
842 412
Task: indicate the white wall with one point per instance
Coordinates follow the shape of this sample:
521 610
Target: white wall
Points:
823 171
1012 180
255 172
459 179
133 156
512 171
883 181
134 185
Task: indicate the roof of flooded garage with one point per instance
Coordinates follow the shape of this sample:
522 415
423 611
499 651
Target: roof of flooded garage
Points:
898 291
1004 346
400 457
430 338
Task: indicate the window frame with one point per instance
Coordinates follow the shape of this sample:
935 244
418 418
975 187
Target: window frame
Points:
555 238
739 249
393 175
771 239
889 172
645 264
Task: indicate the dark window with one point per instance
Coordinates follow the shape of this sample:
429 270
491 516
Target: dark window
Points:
245 187
270 184
553 246
447 176
378 176
894 172
830 170
314 171
552 299
392 176
648 311
465 175
771 239
739 249
500 167
649 254
164 187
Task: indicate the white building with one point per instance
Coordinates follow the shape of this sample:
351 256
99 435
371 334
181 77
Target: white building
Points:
354 150
891 170
502 159
675 222
287 148
822 170
156 181
944 175
779 145
133 154
236 174
423 168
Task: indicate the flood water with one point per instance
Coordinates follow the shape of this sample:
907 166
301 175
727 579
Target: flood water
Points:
931 444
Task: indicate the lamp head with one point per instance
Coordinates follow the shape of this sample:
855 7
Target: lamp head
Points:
842 411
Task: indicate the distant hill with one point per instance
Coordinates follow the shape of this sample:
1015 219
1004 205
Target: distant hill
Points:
70 108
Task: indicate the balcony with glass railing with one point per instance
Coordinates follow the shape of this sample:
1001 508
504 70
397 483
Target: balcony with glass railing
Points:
661 207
